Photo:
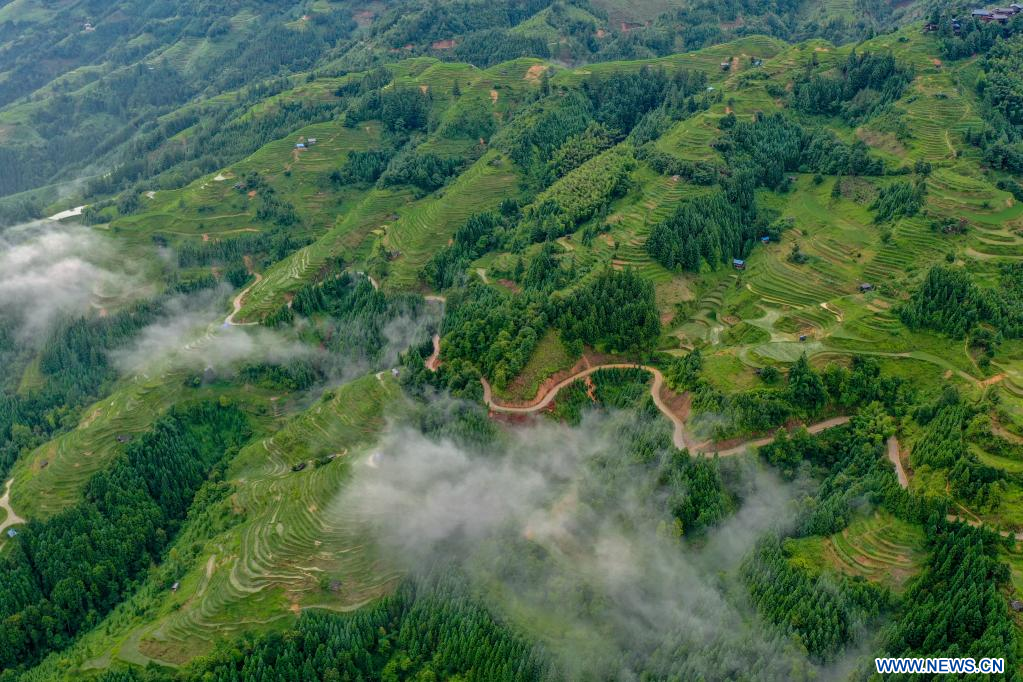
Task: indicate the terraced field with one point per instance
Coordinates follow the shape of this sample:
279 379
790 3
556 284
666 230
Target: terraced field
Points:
292 542
632 219
691 139
285 537
704 325
51 478
424 226
211 206
938 121
880 548
707 60
348 237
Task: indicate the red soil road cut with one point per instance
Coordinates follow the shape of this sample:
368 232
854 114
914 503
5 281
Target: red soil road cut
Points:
678 435
433 362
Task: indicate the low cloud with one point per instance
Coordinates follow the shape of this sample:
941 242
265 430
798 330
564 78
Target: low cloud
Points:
191 334
554 529
48 270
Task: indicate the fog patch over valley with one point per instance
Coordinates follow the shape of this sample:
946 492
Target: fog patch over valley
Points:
50 270
190 335
556 532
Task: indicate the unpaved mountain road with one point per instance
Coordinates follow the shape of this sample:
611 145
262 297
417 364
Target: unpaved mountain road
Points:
238 301
11 519
680 436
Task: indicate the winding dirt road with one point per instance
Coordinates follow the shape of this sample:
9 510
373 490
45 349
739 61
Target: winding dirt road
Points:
238 300
817 427
680 436
12 519
894 458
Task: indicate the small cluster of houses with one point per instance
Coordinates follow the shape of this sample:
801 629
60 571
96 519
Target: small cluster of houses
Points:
999 14
1002 15
309 142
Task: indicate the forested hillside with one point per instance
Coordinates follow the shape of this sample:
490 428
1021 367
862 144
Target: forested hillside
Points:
518 340
157 92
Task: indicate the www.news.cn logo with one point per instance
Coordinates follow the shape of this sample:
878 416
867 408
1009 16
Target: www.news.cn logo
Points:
948 666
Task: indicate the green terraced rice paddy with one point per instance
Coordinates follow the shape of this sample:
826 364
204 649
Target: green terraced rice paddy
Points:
288 534
880 548
345 239
427 225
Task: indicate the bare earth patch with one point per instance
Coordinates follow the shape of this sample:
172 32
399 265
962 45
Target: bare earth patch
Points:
534 72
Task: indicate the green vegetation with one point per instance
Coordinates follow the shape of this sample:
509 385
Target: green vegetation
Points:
403 632
578 196
822 614
72 369
815 245
864 86
549 357
964 562
74 567
881 548
614 312
948 301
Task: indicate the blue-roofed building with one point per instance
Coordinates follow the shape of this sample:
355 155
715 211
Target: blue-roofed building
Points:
738 264
765 239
